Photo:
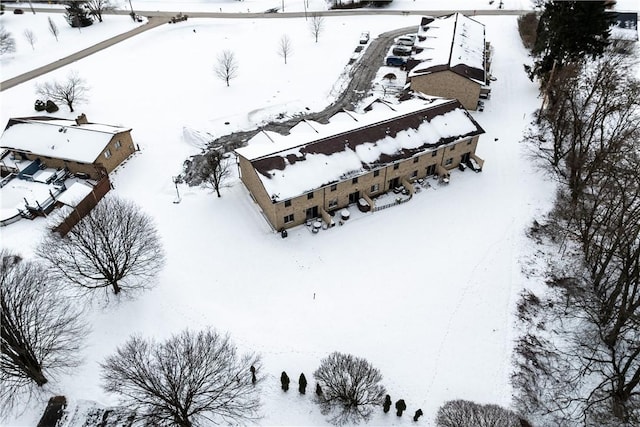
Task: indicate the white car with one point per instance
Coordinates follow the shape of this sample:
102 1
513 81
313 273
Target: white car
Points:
364 37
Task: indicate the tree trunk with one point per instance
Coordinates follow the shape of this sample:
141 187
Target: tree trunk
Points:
116 288
70 104
218 191
38 377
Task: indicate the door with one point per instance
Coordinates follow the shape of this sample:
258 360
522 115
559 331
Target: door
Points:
464 158
354 197
312 213
393 183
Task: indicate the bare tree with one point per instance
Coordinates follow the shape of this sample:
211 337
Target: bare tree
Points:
580 362
31 38
351 388
7 42
116 246
216 168
285 48
316 25
98 7
464 413
41 330
191 379
72 90
590 115
226 67
53 28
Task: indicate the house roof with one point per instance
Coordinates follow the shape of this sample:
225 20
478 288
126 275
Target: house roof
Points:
455 42
314 155
58 138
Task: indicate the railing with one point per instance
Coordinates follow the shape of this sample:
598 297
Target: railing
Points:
398 201
46 206
4 181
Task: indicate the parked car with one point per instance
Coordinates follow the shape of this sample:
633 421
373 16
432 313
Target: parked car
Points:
18 11
364 37
401 50
396 61
405 40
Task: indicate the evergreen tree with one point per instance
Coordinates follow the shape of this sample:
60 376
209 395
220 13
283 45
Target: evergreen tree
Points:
77 14
567 32
284 381
302 384
387 404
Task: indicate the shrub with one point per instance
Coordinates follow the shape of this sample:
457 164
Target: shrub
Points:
51 106
464 413
40 105
528 27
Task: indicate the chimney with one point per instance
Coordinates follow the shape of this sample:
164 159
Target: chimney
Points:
82 120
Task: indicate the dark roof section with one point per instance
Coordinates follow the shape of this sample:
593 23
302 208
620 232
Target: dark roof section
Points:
369 134
18 120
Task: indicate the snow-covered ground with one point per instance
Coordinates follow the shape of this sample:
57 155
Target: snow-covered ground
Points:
424 290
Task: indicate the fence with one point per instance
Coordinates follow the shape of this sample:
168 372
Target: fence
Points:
85 206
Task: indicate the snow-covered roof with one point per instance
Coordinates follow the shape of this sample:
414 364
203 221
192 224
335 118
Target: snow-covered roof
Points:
58 138
75 193
314 155
455 42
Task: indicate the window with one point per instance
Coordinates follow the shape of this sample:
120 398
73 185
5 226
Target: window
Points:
309 196
415 159
453 147
287 203
396 166
354 180
469 141
333 204
334 187
107 153
375 188
449 161
431 170
414 174
376 172
118 144
435 153
288 219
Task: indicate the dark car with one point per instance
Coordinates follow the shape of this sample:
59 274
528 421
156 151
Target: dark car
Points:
18 11
401 50
396 61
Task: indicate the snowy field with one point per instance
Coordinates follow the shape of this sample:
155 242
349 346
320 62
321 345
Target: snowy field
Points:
425 290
